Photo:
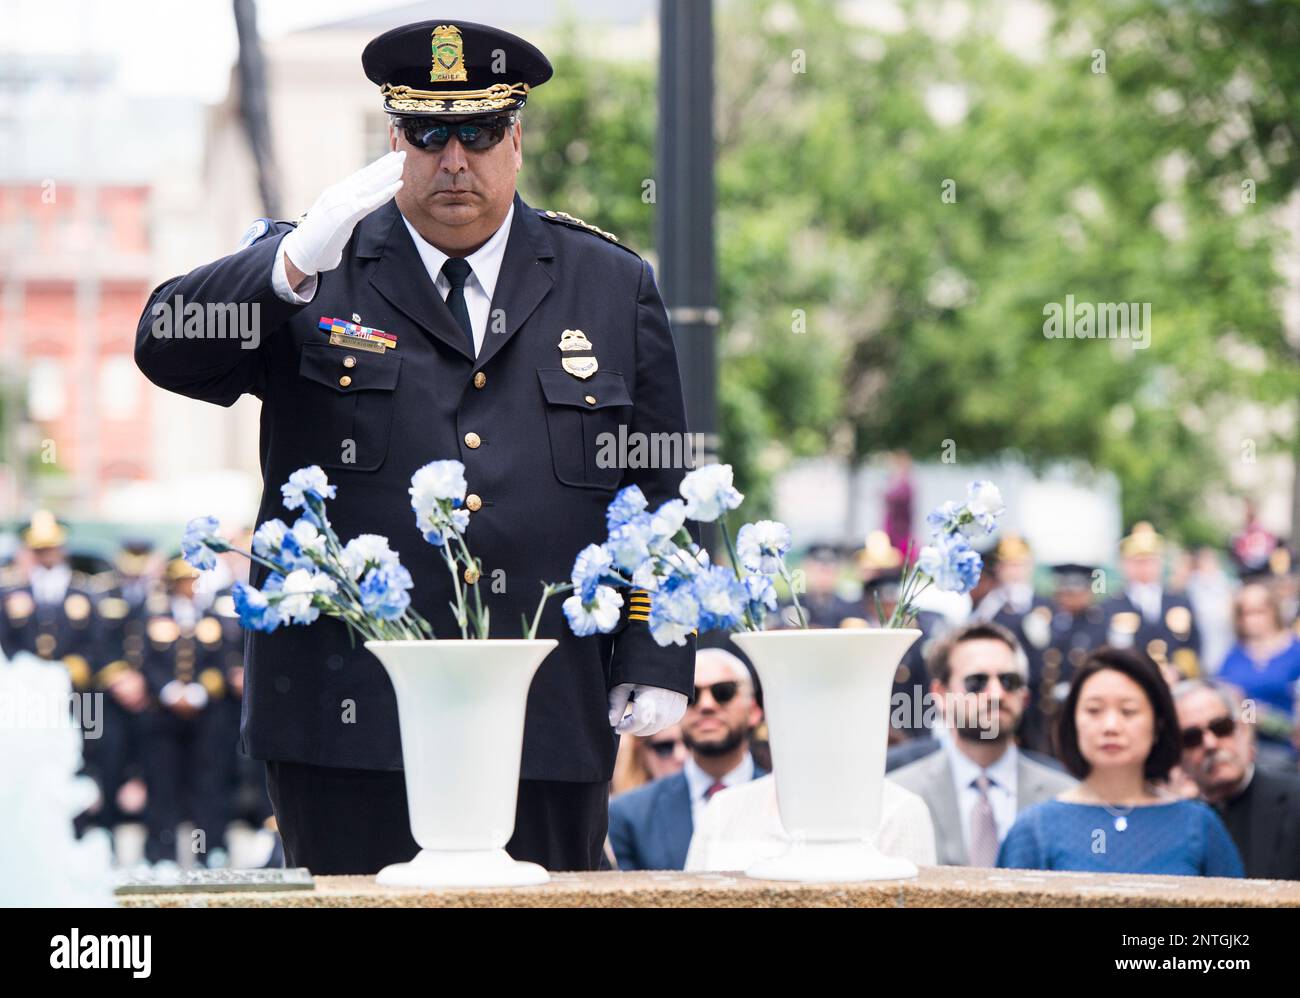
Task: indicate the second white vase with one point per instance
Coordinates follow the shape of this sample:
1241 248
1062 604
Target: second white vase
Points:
826 697
461 708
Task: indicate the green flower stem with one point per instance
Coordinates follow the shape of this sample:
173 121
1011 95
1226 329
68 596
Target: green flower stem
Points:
731 550
480 619
549 589
785 574
461 618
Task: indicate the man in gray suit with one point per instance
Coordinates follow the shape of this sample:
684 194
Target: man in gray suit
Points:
977 784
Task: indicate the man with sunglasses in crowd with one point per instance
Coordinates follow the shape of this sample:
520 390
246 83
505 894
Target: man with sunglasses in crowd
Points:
419 311
1260 807
650 827
980 781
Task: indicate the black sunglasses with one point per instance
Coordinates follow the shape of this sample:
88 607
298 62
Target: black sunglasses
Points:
433 135
664 750
976 682
722 692
1221 728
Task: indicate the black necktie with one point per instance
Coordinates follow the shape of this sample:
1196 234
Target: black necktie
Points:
457 271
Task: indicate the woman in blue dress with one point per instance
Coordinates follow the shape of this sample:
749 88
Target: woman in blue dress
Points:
1265 665
1118 733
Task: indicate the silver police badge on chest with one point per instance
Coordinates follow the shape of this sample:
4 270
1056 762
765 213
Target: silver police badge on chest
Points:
577 356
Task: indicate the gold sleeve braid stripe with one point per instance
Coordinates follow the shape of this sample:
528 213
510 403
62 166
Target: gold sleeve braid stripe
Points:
639 606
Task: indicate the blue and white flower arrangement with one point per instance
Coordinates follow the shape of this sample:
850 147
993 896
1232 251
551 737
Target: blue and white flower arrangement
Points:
655 553
948 562
678 590
686 593
312 572
363 582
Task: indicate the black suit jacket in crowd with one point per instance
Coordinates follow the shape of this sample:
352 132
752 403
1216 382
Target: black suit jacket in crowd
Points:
1264 822
542 488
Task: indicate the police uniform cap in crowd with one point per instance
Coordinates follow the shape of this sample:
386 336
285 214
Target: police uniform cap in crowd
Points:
826 553
878 553
1141 540
179 568
1070 575
441 67
1012 547
885 585
44 531
133 555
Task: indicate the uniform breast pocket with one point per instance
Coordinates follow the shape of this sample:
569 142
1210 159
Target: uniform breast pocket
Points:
346 413
583 419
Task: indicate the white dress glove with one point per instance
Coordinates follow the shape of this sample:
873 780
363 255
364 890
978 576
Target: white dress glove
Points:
317 243
652 710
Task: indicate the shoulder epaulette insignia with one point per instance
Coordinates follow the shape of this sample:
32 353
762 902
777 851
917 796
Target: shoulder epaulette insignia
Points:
260 228
564 218
255 231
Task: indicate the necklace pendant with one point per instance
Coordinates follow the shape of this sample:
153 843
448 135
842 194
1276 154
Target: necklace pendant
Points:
1121 823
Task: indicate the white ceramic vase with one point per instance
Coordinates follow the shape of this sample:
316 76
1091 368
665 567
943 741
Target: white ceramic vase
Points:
826 696
461 705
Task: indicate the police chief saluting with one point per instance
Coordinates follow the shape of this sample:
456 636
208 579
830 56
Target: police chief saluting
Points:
416 313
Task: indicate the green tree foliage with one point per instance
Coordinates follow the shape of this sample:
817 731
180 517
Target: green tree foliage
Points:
864 310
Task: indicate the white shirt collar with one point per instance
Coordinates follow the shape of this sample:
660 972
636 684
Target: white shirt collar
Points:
50 585
965 771
698 781
485 262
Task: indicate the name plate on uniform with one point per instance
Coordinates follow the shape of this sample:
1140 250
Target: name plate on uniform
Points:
209 881
355 336
356 343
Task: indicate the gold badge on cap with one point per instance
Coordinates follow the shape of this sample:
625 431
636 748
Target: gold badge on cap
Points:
578 359
448 55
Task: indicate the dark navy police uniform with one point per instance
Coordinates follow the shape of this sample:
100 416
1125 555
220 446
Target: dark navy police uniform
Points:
527 432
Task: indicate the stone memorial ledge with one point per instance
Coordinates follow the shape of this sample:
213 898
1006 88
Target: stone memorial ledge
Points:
937 886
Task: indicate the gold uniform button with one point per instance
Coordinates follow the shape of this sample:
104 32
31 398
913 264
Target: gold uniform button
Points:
345 381
473 503
591 399
349 362
472 440
480 380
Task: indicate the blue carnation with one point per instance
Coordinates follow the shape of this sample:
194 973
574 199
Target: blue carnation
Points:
627 504
629 542
255 611
306 486
722 598
384 591
952 563
674 612
593 567
200 540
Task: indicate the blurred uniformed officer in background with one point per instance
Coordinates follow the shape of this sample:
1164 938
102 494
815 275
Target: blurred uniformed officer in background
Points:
1146 616
122 610
47 615
186 756
421 311
821 600
880 565
1015 605
1076 625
